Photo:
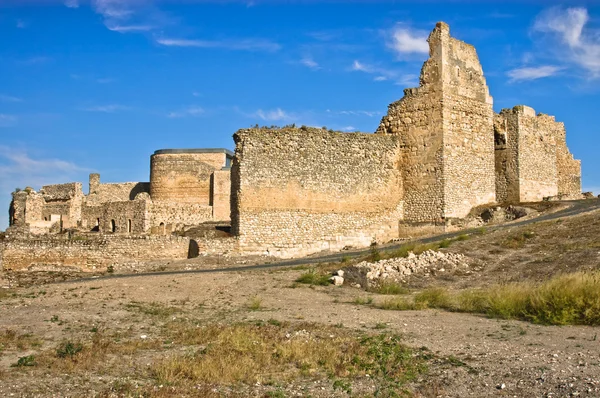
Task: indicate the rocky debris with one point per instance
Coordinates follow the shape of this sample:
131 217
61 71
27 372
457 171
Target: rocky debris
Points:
588 195
502 214
398 269
337 278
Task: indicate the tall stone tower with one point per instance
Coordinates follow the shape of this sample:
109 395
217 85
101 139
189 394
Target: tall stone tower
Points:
445 128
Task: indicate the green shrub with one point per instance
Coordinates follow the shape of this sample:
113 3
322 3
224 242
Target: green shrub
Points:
68 349
313 277
390 288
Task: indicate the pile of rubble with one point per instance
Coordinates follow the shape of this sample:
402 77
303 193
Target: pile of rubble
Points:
399 269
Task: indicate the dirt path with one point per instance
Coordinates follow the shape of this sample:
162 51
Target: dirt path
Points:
488 357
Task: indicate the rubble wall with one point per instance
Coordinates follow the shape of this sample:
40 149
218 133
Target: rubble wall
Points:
298 191
91 251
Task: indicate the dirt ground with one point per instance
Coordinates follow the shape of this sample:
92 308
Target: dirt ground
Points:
468 355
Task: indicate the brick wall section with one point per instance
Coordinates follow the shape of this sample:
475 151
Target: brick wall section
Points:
178 213
318 190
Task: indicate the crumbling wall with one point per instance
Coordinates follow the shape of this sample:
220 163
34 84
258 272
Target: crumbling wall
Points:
89 252
538 162
506 153
468 170
445 129
113 192
538 175
298 191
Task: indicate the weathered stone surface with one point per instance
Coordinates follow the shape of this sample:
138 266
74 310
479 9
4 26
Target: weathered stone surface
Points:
370 274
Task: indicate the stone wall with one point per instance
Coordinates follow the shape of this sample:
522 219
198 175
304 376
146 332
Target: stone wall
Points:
91 251
298 191
184 176
445 129
221 195
535 162
177 214
120 217
113 192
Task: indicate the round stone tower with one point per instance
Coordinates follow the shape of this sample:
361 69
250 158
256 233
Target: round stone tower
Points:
183 175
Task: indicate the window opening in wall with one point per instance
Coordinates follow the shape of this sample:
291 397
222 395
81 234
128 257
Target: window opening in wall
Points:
162 228
97 222
129 226
113 226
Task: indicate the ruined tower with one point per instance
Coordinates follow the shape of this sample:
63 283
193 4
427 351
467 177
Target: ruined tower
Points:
445 128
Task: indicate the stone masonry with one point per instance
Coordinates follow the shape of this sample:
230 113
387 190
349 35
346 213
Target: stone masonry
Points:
187 187
437 153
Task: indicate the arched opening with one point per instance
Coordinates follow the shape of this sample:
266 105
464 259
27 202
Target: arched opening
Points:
96 227
113 226
129 226
161 228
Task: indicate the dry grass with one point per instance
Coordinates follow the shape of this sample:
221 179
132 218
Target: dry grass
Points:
270 353
12 340
572 299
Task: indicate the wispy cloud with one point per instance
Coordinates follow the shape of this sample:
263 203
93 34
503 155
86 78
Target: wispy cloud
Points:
230 44
129 28
359 113
106 108
9 98
383 74
404 40
533 73
309 62
21 24
274 115
72 3
576 43
20 169
348 128
7 120
189 111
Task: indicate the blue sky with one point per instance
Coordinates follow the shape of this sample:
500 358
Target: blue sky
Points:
97 86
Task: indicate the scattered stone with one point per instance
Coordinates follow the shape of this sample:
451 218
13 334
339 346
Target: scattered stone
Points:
399 269
337 280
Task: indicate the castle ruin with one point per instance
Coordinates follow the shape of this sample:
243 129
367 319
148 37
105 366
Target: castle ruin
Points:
440 151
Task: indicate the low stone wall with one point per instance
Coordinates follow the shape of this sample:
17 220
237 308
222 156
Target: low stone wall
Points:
89 252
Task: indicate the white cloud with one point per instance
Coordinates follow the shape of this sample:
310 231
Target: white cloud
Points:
383 74
106 108
9 98
532 73
576 43
190 111
19 169
129 28
404 40
7 120
275 115
230 44
72 3
113 9
360 113
349 128
310 63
